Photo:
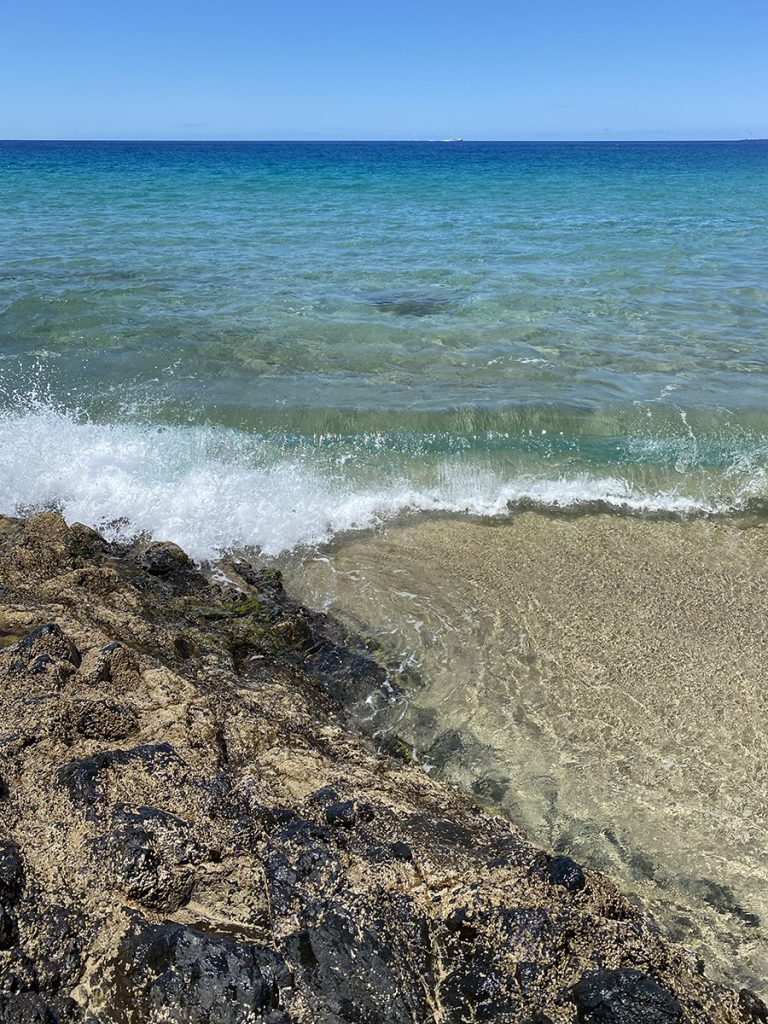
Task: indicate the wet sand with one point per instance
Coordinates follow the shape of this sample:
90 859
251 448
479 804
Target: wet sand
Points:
601 679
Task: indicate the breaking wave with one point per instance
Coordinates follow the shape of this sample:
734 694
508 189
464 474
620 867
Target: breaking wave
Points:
213 489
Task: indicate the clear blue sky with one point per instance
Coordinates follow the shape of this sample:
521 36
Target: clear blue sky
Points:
294 69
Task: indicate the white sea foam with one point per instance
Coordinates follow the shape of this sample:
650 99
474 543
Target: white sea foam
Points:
211 489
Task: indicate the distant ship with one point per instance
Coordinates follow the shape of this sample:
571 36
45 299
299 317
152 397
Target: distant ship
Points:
453 140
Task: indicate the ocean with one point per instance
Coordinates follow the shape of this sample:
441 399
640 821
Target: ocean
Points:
269 344
500 406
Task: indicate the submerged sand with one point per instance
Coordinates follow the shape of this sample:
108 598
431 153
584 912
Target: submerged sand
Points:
603 680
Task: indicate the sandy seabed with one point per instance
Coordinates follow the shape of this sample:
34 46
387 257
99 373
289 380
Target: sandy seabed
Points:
603 680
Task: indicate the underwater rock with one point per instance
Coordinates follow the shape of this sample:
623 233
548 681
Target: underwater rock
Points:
411 303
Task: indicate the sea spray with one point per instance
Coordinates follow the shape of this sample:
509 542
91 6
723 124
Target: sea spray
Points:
212 489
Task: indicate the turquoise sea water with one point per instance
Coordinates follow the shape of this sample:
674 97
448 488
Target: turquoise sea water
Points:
266 343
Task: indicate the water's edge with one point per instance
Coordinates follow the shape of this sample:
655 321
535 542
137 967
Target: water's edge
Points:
596 677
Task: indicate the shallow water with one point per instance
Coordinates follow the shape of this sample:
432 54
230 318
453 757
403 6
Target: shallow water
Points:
601 680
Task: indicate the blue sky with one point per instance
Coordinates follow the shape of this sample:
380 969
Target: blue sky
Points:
544 69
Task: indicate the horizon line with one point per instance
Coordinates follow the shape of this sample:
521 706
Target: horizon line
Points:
457 140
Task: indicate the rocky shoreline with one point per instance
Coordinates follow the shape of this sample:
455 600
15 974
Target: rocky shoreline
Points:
192 830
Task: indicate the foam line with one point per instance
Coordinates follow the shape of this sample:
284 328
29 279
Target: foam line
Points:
212 489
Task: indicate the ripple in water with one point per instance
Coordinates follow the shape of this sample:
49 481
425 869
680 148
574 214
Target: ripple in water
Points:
602 681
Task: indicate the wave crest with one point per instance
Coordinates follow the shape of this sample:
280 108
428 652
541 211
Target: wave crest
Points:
211 489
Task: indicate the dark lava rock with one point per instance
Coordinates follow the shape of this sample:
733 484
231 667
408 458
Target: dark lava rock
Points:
300 866
459 922
752 1007
44 648
324 795
80 778
291 915
347 813
353 968
152 857
61 934
169 973
55 936
161 558
530 930
475 991
565 872
529 976
624 996
27 1008
342 813
401 851
9 932
11 871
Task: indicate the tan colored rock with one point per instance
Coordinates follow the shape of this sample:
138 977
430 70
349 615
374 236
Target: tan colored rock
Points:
199 827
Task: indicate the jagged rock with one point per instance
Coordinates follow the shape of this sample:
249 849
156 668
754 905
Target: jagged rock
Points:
11 871
565 872
169 973
162 558
100 719
341 813
752 1007
46 651
46 956
30 1008
476 990
300 865
153 854
351 968
197 762
81 778
347 813
624 997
